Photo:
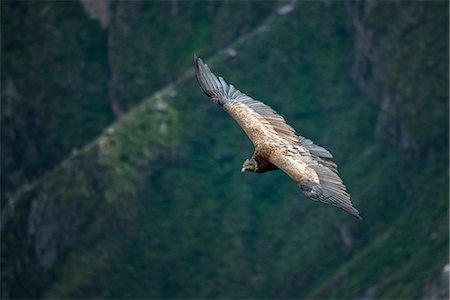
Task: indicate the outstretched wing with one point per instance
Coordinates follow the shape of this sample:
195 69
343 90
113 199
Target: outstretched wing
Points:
318 181
318 153
302 160
259 121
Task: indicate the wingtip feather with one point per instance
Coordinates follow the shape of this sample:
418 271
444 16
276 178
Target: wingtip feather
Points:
213 87
330 190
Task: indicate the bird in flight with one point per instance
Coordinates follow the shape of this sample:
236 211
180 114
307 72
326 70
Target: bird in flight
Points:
277 146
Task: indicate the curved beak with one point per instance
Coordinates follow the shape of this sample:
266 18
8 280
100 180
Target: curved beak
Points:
242 170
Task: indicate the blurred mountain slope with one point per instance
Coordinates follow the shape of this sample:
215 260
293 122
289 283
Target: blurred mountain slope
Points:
65 76
53 66
156 207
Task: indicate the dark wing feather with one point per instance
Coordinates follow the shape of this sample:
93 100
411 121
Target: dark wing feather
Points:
258 120
313 148
299 157
318 182
330 190
318 153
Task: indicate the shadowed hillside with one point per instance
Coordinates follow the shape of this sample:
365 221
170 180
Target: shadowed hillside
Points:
154 204
67 75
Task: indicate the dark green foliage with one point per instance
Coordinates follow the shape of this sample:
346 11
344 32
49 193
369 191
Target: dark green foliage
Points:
406 40
87 193
156 207
64 77
152 42
54 86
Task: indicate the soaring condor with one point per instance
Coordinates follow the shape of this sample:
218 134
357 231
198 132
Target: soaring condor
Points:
277 146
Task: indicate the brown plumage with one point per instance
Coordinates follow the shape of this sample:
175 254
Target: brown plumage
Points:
277 146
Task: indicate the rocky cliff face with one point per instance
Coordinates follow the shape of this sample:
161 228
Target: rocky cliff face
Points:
155 206
391 39
72 68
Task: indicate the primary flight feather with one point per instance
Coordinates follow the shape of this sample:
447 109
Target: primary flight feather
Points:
277 146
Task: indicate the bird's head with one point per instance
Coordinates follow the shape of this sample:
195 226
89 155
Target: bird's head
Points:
249 165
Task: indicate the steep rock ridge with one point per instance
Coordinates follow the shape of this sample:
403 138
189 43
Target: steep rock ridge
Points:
26 215
401 63
44 247
54 86
395 38
73 67
141 32
47 219
156 206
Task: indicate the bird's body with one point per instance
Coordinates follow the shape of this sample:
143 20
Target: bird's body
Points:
277 146
262 158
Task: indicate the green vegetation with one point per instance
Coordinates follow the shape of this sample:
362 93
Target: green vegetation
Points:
52 70
64 77
155 206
